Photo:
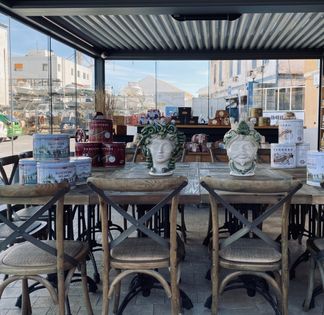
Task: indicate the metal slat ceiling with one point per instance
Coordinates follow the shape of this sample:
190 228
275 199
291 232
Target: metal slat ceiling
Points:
146 29
162 33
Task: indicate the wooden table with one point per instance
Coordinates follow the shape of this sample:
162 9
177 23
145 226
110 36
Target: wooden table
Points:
194 193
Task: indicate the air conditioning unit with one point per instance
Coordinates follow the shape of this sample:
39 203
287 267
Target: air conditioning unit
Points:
221 83
235 78
250 73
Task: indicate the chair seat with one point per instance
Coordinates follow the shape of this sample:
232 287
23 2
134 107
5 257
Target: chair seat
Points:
34 228
26 213
139 250
26 258
247 250
315 245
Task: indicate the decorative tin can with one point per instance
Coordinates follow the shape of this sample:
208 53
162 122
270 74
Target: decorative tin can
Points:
56 172
90 149
100 130
301 154
82 167
291 131
256 112
51 148
263 121
114 154
315 168
283 155
27 171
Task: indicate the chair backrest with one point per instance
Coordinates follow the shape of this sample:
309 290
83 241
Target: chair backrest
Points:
158 191
8 168
276 194
26 154
46 195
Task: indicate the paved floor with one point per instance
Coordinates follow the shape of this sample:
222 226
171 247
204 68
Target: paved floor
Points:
193 283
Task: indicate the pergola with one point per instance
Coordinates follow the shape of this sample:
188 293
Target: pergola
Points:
179 29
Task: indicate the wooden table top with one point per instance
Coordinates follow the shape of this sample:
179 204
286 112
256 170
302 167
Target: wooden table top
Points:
193 193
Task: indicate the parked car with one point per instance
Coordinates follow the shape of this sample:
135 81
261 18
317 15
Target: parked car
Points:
68 125
12 125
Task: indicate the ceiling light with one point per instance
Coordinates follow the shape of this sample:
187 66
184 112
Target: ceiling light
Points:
206 17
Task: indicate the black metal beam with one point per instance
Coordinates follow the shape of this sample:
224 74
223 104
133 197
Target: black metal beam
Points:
99 72
95 7
213 55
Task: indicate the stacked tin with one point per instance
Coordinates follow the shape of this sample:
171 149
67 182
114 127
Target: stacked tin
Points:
101 148
291 151
51 162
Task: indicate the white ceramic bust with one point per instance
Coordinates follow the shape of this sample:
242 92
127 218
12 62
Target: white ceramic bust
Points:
161 151
242 143
162 145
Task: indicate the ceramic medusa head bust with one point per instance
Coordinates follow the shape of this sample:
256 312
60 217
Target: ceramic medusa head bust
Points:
162 145
242 143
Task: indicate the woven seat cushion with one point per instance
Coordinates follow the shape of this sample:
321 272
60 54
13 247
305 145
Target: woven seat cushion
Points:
5 230
316 244
27 212
28 255
250 251
139 249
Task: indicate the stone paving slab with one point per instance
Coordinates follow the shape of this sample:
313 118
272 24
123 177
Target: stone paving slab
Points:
193 282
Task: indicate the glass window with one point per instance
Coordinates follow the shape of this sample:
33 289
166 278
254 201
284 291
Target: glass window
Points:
214 74
257 98
29 101
254 64
85 88
271 99
220 73
238 67
284 99
58 67
297 98
18 67
231 69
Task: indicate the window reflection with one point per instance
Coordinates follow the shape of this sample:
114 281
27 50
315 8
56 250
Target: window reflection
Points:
50 86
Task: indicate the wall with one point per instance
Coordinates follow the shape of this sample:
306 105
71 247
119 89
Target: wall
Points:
311 69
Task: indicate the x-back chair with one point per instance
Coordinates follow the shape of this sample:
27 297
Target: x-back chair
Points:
250 251
32 258
128 254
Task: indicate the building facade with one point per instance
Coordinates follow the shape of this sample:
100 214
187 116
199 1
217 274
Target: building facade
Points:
4 73
37 66
274 85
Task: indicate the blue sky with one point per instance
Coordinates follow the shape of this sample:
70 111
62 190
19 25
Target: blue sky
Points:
189 76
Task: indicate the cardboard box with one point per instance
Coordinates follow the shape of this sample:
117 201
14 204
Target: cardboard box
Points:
120 130
119 120
184 112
